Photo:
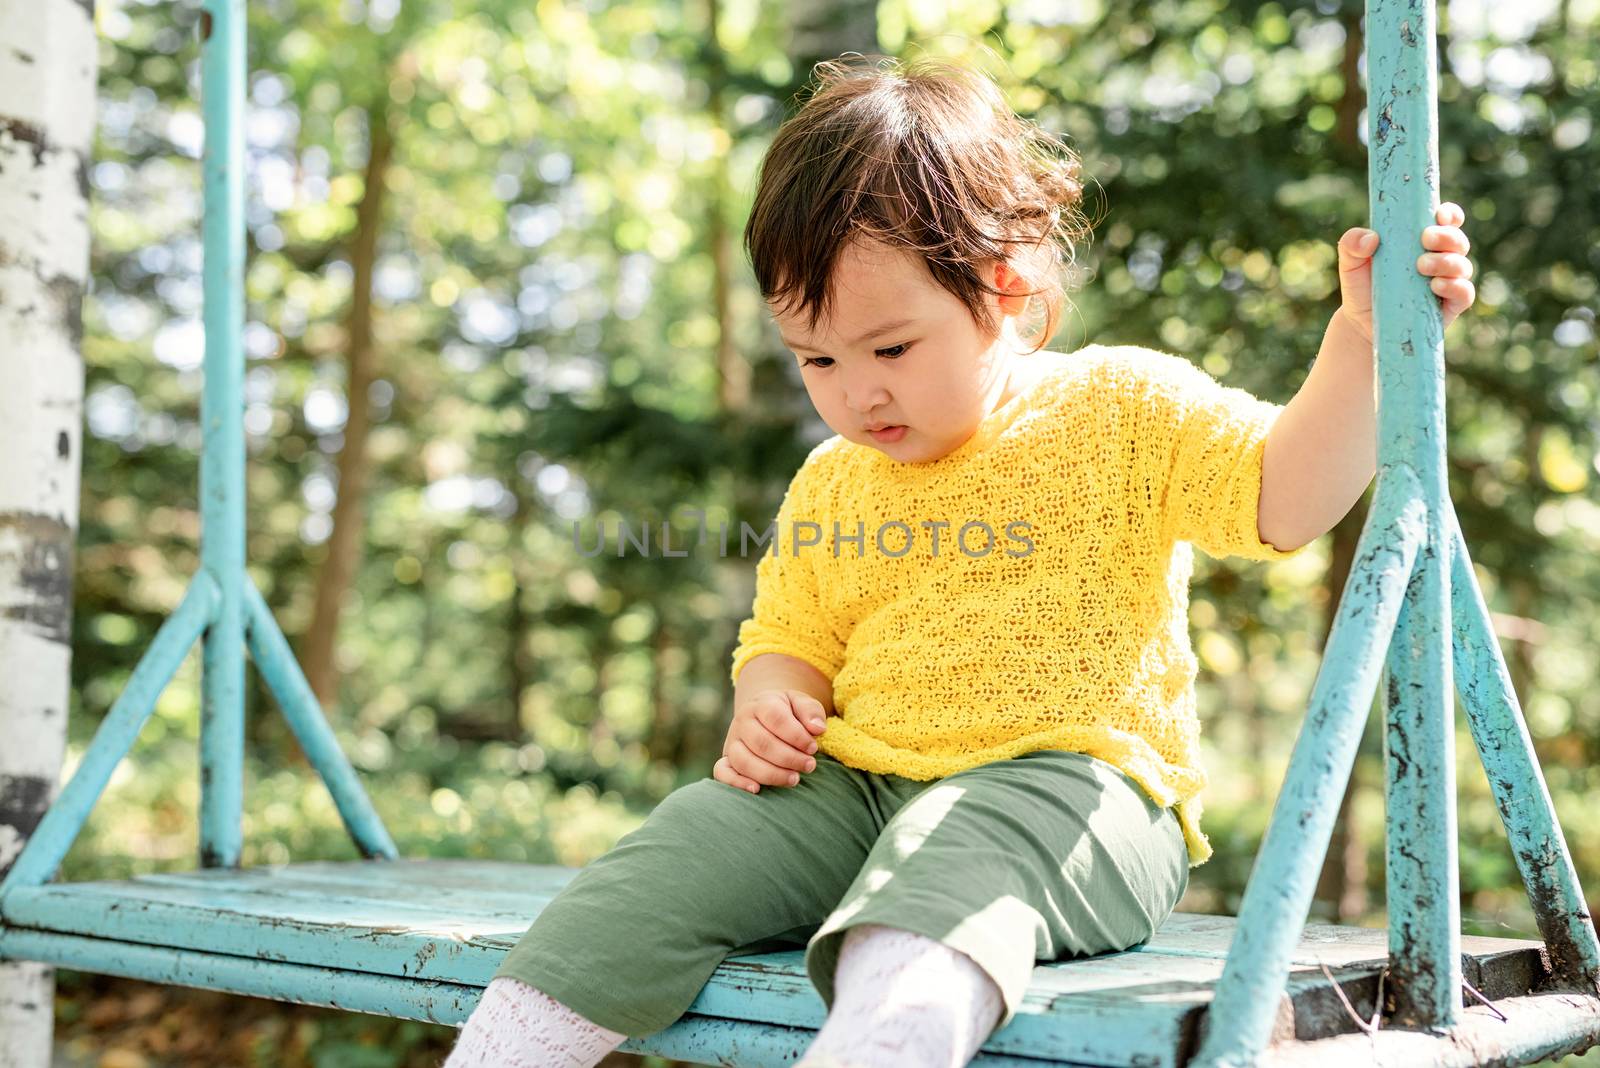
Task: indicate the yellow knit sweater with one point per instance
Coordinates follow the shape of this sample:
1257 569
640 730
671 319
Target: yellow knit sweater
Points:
1071 631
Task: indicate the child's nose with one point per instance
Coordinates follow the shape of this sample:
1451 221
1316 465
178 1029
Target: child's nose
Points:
863 396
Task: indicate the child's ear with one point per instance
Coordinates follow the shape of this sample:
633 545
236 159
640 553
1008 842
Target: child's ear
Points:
1008 281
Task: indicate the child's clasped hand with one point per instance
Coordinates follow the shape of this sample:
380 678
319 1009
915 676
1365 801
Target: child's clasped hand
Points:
771 740
1445 260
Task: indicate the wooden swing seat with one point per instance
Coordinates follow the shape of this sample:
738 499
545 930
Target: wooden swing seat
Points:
419 939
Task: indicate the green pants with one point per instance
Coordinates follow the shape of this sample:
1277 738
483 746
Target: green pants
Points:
1048 855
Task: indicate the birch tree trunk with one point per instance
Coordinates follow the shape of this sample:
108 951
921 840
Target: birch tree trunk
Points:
47 110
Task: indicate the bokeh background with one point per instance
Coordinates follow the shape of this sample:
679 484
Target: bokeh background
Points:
495 289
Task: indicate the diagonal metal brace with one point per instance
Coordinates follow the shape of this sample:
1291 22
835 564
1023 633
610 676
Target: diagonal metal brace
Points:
1506 749
304 713
1277 897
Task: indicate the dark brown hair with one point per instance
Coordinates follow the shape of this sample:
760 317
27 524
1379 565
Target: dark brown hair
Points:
923 155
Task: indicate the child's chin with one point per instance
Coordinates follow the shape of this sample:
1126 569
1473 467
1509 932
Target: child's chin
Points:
911 452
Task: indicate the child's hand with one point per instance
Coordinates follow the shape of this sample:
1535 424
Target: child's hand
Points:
770 740
1445 260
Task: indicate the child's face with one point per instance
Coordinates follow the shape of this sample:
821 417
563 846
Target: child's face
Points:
936 376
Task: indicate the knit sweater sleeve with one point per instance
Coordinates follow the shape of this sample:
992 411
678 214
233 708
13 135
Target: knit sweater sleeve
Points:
1212 439
787 615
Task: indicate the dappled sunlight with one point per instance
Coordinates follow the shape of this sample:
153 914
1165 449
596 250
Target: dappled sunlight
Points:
562 331
904 833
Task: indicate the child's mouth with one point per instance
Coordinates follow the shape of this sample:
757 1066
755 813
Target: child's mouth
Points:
888 433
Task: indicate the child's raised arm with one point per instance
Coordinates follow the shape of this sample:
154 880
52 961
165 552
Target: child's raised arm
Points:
1323 449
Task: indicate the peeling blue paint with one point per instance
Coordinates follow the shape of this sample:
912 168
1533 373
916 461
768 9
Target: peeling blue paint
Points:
419 939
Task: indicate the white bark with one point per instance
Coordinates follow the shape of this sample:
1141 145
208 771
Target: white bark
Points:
48 58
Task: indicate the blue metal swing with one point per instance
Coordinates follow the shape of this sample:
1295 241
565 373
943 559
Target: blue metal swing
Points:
419 939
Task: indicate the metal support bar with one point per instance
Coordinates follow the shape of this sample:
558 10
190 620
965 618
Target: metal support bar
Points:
1277 897
1424 898
1407 631
1408 331
304 714
1506 749
222 549
43 854
216 606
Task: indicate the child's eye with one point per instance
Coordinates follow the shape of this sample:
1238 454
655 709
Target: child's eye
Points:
893 352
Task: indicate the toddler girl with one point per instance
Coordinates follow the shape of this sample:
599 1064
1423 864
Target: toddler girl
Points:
966 682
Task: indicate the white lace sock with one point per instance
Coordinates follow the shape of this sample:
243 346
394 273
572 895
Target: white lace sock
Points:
902 999
519 1026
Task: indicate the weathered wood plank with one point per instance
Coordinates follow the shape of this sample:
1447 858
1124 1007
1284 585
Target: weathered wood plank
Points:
497 875
701 1039
521 905
453 921
506 890
412 999
1536 1028
399 942
305 924
1211 935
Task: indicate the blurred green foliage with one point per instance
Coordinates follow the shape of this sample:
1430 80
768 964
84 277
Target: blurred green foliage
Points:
545 340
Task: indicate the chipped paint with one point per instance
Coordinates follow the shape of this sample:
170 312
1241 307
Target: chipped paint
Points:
1429 631
357 934
1240 990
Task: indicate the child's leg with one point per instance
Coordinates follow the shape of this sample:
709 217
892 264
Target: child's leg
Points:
1048 855
516 1026
632 939
902 998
